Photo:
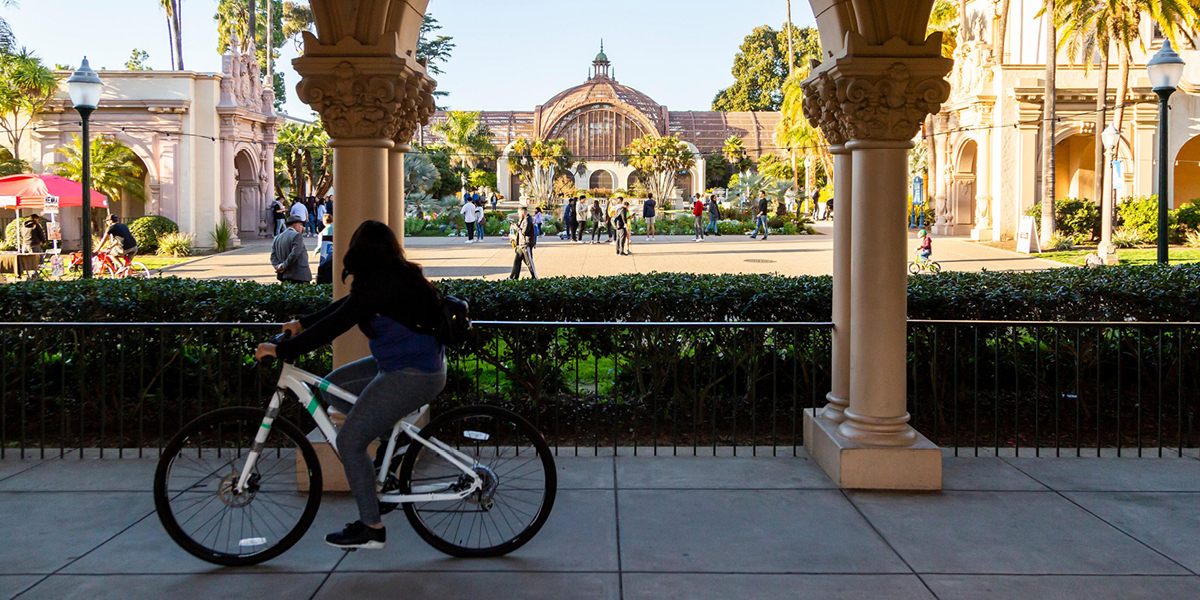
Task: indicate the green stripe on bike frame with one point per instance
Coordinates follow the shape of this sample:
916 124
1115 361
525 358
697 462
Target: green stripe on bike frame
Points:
323 385
312 406
266 425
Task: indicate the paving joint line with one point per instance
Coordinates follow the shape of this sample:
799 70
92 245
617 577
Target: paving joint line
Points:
617 523
27 469
888 543
1106 522
329 574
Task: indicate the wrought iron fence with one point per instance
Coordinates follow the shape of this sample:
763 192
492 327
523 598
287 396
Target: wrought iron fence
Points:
589 387
1037 388
678 388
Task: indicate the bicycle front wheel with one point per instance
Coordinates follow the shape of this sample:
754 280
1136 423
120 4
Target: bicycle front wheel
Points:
914 268
195 488
519 479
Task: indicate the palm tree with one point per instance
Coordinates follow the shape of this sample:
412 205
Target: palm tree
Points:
8 41
295 148
1048 97
174 31
26 85
468 138
116 171
796 133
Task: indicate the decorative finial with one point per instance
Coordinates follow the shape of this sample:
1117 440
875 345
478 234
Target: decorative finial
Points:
601 44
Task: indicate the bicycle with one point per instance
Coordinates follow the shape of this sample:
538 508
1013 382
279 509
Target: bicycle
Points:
486 496
920 264
103 265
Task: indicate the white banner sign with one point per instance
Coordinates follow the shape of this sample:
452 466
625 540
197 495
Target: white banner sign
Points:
1026 238
50 204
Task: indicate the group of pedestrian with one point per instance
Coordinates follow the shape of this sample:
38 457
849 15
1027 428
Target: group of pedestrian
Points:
309 212
701 206
613 216
289 256
473 216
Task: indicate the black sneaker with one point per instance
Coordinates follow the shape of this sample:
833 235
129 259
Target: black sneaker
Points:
356 535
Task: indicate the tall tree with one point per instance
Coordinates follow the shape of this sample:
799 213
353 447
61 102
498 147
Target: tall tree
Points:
115 170
26 85
760 68
286 20
434 49
172 9
469 140
657 160
303 155
1049 91
8 41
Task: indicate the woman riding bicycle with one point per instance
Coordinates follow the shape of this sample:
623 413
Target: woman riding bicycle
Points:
390 300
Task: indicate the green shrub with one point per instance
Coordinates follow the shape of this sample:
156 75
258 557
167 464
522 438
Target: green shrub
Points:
1072 217
221 236
11 236
147 230
176 244
1142 214
1149 293
1188 217
1061 242
1124 237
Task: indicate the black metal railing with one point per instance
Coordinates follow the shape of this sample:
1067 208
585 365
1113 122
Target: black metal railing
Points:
679 388
1033 388
589 387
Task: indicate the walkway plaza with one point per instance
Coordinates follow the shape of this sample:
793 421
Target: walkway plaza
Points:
645 527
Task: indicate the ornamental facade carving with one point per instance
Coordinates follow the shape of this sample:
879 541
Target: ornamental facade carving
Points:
241 84
891 106
357 104
417 114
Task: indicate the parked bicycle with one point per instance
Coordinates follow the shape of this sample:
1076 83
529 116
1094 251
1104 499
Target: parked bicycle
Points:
921 264
240 486
105 265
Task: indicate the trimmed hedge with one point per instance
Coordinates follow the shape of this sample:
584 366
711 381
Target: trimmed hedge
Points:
146 231
1149 293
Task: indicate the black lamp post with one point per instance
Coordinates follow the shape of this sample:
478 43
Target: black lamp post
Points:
1165 70
84 87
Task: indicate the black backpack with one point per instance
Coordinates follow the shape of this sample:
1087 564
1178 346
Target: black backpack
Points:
454 327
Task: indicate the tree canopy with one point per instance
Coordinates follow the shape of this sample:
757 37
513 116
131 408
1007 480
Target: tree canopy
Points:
26 85
116 170
468 138
760 68
288 19
537 163
657 160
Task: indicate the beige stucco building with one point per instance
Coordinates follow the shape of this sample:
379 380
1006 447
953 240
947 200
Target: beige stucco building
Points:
985 168
206 142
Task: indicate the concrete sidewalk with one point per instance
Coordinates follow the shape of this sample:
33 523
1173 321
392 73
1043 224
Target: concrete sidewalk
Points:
661 528
492 258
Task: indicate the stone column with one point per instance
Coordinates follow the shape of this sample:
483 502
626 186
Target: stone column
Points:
395 216
879 98
229 201
363 100
843 171
983 182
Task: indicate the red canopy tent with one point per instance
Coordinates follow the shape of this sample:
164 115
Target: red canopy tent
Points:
28 191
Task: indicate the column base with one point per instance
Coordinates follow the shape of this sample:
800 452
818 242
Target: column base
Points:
834 412
949 229
856 466
981 235
1108 253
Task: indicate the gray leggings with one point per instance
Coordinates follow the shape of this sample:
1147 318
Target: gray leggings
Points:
383 399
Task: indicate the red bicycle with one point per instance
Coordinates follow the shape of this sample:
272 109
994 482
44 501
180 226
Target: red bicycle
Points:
105 265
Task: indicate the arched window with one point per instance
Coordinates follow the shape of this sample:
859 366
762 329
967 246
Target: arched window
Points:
597 132
601 180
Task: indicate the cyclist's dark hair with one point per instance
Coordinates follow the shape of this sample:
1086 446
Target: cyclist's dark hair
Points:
113 218
375 251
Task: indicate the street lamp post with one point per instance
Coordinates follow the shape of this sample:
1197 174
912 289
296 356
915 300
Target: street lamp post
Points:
84 87
1165 70
1108 253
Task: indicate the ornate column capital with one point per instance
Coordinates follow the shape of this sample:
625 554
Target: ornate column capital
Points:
878 93
416 112
363 96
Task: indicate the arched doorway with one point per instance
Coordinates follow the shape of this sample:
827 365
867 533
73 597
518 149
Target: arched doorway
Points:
962 188
684 184
129 206
635 182
1187 174
249 196
601 180
1075 167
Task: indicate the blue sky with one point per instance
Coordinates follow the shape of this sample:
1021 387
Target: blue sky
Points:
511 54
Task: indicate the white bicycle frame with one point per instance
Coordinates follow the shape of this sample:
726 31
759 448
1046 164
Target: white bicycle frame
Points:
295 380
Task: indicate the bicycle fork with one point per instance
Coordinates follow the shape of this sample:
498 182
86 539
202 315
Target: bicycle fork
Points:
260 439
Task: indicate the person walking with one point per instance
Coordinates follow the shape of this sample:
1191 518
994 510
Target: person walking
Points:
818 207
468 213
760 221
650 213
538 219
480 220
310 204
523 235
610 210
278 216
596 216
570 218
620 222
714 214
289 257
697 219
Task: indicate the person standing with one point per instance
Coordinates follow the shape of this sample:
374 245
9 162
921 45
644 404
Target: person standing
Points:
468 213
289 257
610 210
523 236
321 212
697 219
620 223
324 251
714 214
596 216
33 236
538 219
650 213
818 207
571 218
494 201
299 211
760 220
278 216
480 221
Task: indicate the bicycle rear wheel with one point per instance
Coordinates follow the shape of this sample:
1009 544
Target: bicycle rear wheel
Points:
138 270
199 469
935 268
520 483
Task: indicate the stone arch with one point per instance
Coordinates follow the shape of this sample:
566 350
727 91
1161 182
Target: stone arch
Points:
625 109
602 179
961 191
248 196
1186 173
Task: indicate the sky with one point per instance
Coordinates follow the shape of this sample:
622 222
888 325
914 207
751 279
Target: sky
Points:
510 54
